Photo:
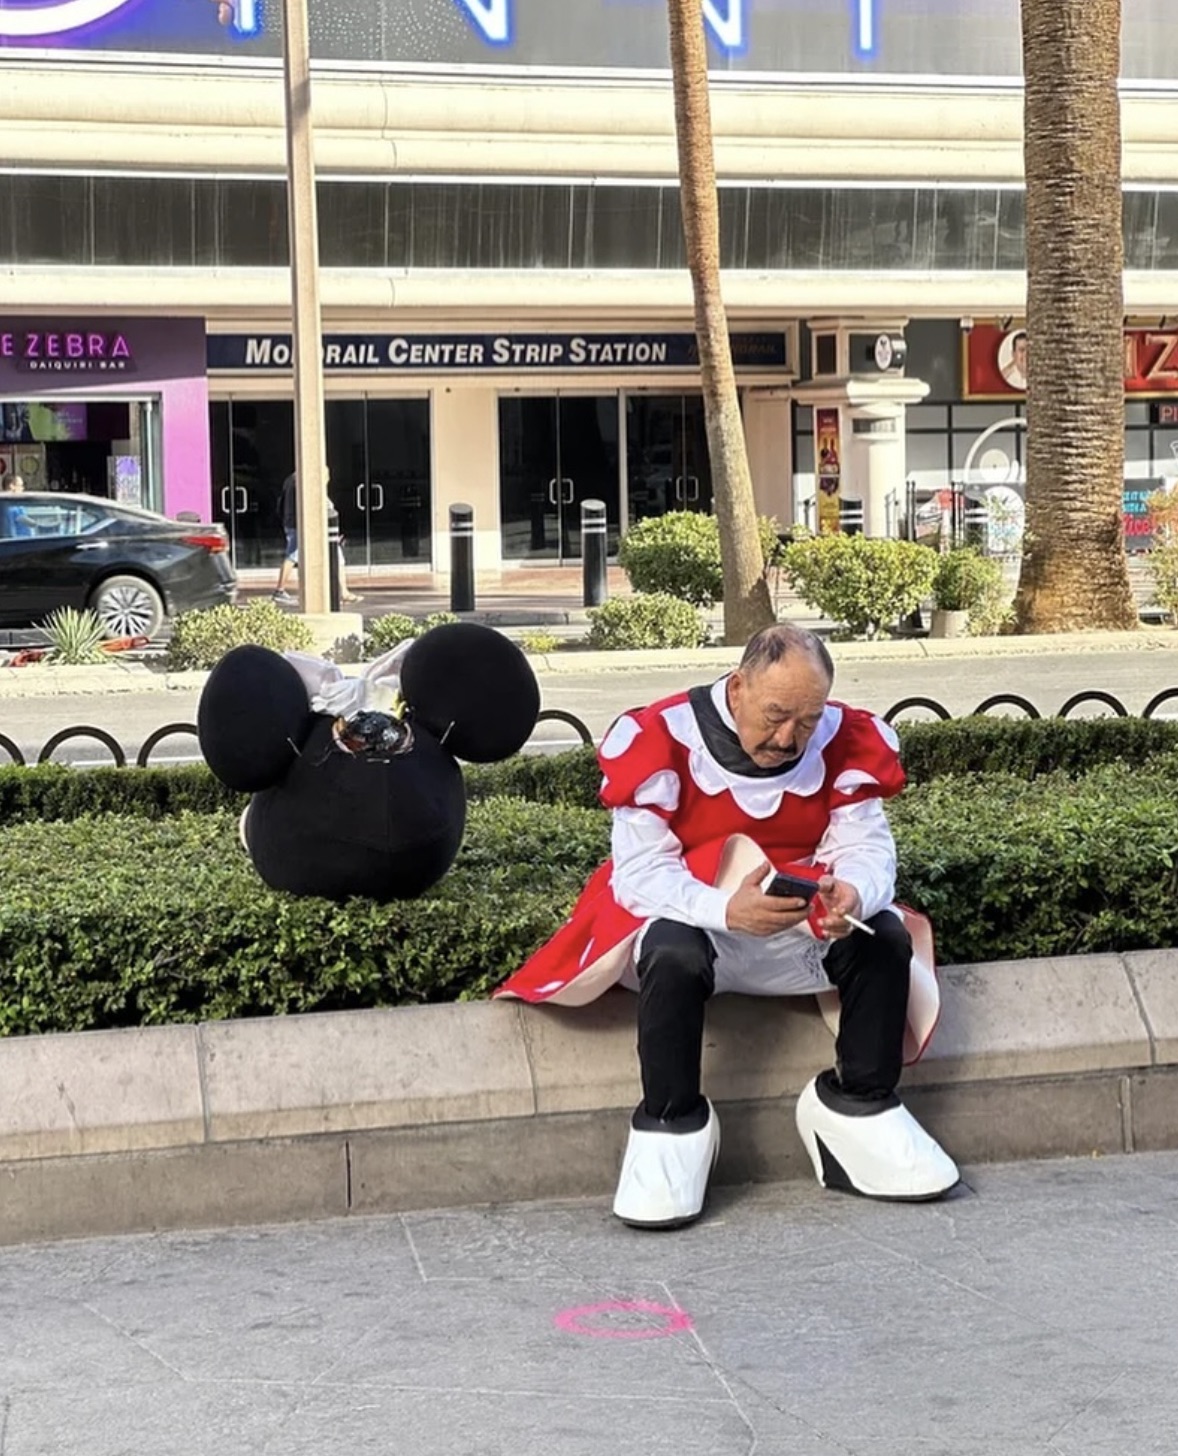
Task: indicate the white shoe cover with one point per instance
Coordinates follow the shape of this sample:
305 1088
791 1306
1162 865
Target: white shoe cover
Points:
881 1155
664 1177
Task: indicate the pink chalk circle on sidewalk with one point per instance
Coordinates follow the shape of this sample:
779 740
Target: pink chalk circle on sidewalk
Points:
581 1320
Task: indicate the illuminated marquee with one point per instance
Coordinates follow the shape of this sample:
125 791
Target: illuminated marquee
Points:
725 19
928 38
45 20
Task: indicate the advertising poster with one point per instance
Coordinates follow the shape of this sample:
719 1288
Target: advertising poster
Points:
26 422
1136 520
829 469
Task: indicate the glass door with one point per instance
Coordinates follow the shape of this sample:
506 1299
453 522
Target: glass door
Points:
347 474
697 463
589 459
252 444
554 453
529 486
397 497
667 462
378 456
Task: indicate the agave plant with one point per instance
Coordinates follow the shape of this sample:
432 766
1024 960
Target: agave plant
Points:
74 637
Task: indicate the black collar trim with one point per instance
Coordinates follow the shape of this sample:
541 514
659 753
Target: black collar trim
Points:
723 744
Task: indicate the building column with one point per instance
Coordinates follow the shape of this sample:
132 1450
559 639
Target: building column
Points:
872 450
768 439
465 434
877 462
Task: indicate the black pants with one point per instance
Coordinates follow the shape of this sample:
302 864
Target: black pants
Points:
676 976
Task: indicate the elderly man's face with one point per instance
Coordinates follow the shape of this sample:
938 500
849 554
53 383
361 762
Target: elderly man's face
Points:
777 709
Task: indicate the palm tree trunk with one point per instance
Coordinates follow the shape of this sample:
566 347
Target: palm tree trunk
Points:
747 606
1074 573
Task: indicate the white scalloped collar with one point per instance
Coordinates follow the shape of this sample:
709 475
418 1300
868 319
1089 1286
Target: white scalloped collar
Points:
759 798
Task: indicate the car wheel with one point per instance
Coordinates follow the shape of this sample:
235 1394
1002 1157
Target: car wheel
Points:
128 606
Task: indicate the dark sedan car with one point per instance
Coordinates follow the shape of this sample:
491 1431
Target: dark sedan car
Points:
130 566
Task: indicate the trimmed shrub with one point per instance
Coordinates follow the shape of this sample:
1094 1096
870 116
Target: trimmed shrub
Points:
1025 747
110 921
654 620
1009 869
51 791
385 632
572 778
679 554
201 639
967 581
863 583
1029 747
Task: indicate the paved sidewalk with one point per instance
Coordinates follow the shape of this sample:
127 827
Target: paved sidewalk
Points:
126 676
1030 1315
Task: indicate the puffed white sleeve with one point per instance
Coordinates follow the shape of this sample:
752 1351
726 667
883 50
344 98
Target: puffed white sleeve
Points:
858 847
650 878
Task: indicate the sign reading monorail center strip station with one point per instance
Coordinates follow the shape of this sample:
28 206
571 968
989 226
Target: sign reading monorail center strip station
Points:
479 353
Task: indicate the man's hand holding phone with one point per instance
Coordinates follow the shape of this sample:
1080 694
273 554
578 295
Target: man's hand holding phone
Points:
755 911
770 901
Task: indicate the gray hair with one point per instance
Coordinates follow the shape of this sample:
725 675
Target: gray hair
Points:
783 639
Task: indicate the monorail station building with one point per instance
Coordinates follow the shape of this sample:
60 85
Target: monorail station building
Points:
506 309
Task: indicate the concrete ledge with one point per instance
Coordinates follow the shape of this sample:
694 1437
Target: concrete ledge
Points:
318 1115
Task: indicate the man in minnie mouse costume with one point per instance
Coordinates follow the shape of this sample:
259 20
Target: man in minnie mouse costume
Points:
712 791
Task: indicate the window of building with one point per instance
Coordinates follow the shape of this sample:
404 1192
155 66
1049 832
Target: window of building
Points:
239 222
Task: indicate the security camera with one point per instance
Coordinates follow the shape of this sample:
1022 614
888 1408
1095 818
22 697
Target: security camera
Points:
966 325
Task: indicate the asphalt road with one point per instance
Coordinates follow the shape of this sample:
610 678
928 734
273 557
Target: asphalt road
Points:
1047 680
960 685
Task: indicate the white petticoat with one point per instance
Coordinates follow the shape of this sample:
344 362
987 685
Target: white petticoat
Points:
789 964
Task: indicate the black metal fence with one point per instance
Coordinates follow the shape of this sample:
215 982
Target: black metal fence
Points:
558 715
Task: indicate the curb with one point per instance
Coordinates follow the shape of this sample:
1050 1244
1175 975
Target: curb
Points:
338 1113
137 677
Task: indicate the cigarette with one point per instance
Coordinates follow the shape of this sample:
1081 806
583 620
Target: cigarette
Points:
858 924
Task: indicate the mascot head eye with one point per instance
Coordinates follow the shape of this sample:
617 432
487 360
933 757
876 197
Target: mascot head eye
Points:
473 689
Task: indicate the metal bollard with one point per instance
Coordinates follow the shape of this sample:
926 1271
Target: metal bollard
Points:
594 549
461 558
333 550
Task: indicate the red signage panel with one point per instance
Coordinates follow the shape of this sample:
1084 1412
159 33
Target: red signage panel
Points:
996 361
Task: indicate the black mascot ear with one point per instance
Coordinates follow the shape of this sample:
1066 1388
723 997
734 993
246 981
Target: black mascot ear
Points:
473 689
253 718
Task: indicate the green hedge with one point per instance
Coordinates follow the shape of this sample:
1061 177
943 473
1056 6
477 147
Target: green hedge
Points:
572 777
1061 864
53 791
114 921
1026 747
110 921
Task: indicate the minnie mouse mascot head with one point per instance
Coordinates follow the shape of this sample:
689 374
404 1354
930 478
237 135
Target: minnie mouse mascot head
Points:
355 781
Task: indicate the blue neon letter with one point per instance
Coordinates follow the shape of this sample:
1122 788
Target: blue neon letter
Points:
726 20
492 19
866 38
